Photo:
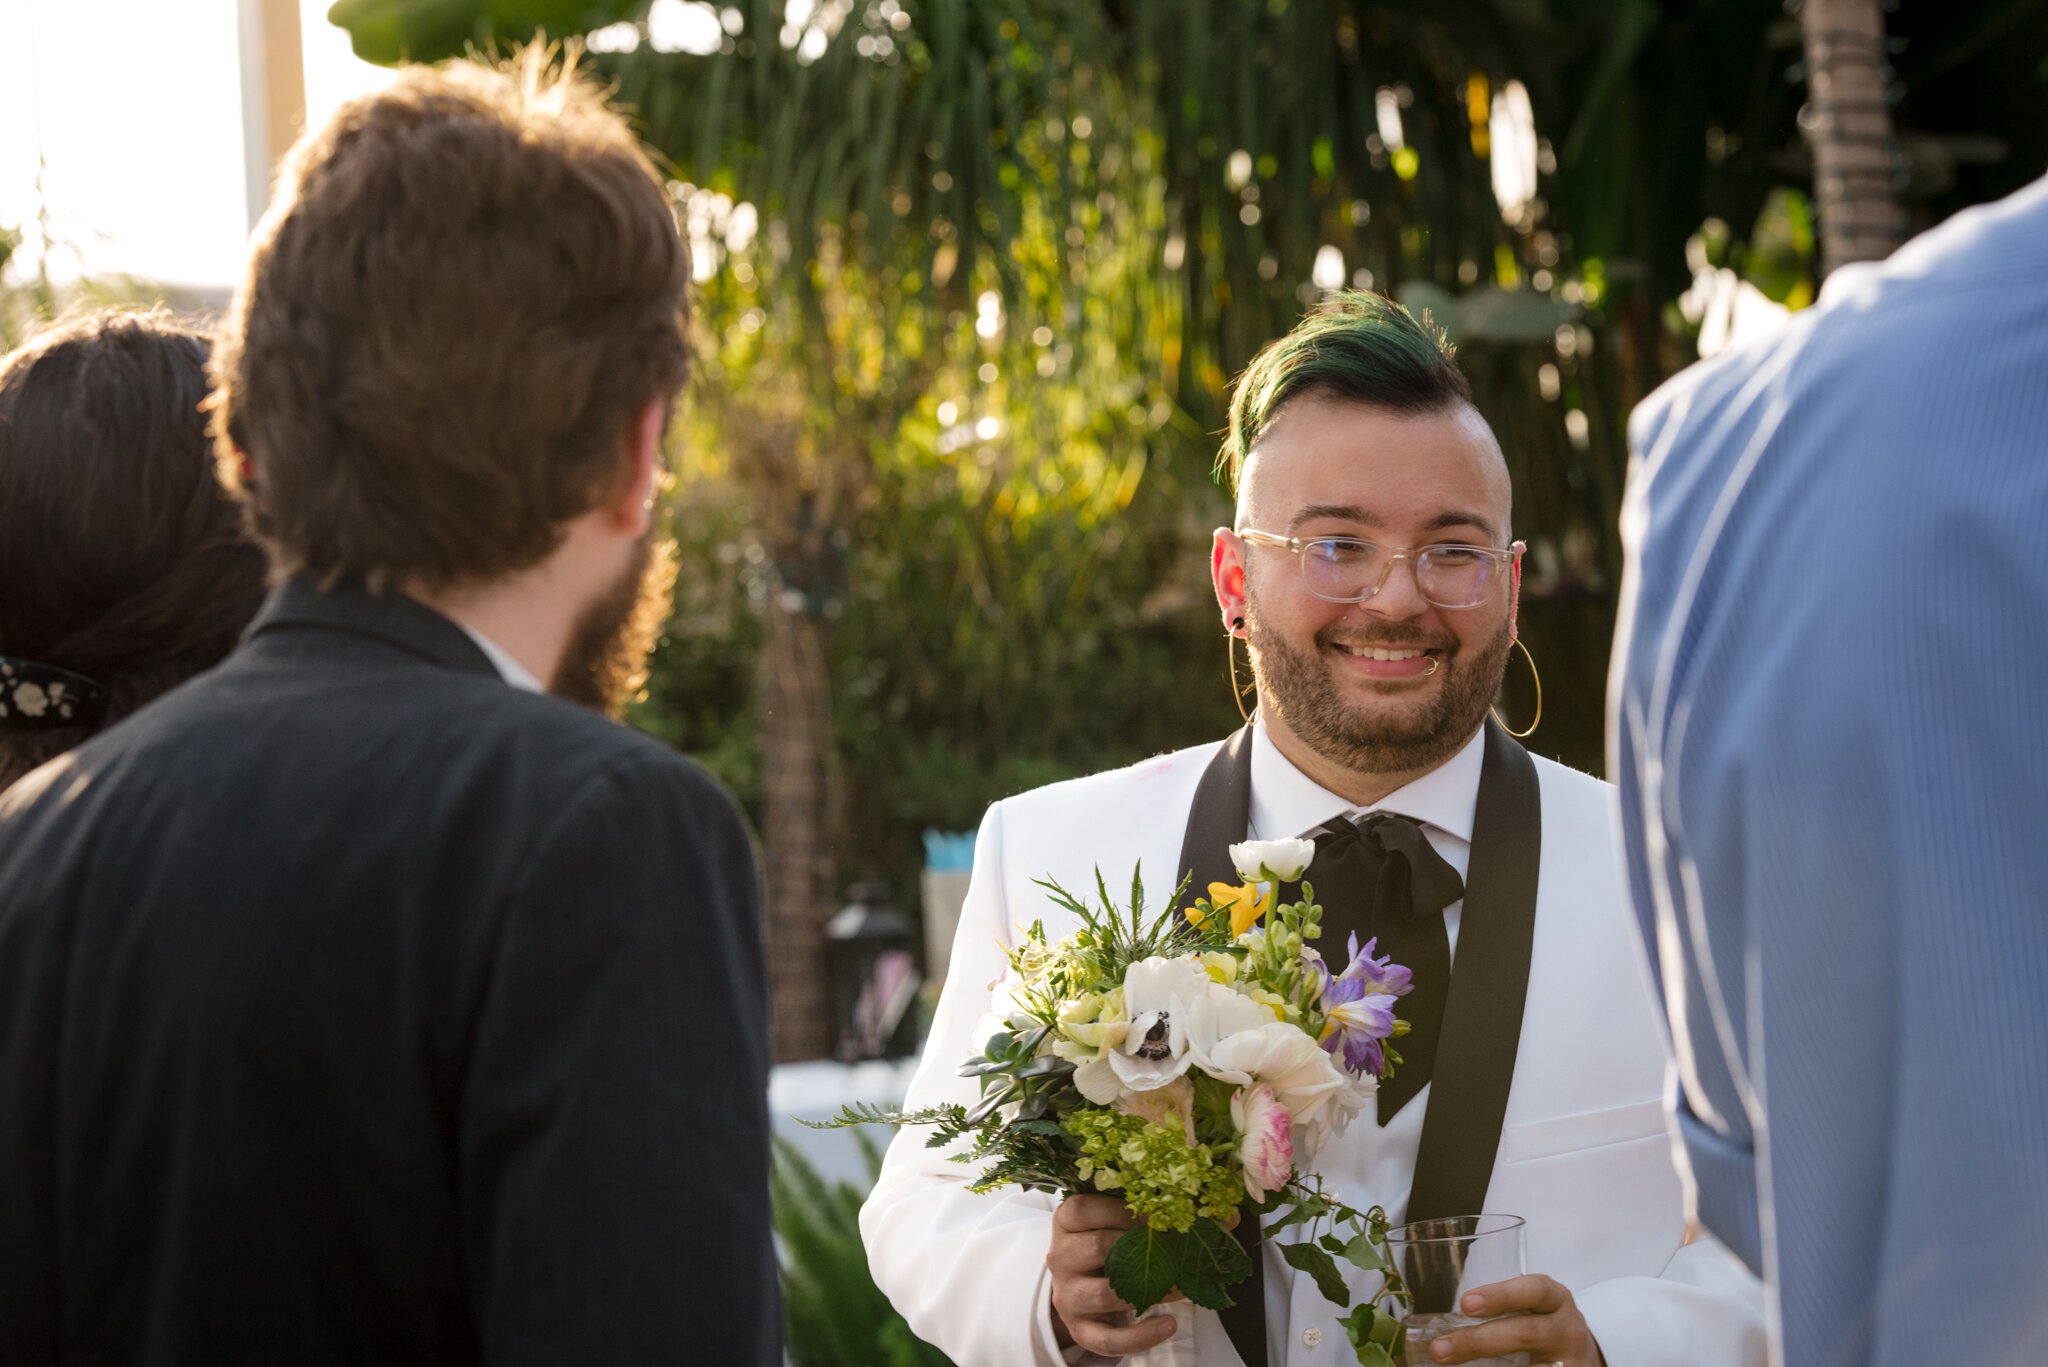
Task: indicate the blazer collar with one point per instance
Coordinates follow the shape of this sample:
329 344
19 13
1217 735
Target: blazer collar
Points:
396 620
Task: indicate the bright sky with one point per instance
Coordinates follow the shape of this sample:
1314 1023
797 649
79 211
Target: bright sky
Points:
135 108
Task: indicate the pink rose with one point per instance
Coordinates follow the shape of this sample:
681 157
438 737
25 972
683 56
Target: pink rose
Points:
1267 1146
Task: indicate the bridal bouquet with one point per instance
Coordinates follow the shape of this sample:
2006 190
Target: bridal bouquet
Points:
1192 1064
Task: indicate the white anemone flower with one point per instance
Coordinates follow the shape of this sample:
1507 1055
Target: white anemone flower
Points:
1272 861
1158 994
1220 1013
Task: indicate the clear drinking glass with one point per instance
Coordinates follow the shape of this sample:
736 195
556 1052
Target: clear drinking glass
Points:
1440 1260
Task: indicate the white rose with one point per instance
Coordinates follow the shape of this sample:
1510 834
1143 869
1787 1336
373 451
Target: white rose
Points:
1320 1096
1272 861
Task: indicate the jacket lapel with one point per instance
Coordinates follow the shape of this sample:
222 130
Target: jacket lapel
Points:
1220 818
1482 1026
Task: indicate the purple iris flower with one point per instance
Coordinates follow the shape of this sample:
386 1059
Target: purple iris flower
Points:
1358 1006
1379 975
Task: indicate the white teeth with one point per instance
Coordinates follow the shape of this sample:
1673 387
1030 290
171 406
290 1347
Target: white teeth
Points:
1380 653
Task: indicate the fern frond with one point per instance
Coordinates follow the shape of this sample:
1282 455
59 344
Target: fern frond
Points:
868 1113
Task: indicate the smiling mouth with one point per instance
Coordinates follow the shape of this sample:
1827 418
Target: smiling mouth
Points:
1378 652
1391 665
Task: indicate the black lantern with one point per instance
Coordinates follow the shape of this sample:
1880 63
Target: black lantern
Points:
874 976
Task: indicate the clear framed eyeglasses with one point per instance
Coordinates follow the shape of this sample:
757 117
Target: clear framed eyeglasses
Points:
1350 569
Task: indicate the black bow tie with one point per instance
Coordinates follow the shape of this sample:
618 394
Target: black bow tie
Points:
1379 878
1391 855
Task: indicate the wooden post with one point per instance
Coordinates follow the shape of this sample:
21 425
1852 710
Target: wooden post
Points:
273 93
1850 126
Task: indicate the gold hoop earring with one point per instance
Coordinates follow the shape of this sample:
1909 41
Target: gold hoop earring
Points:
1535 678
1237 689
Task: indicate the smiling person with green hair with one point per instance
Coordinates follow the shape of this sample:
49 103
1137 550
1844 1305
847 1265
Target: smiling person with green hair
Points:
1372 578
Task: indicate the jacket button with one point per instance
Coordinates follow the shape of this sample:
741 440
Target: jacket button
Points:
1311 1337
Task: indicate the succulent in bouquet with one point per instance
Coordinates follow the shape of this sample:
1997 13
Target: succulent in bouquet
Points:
1192 1063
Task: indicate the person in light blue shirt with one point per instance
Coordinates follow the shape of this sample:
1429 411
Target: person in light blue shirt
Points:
1829 726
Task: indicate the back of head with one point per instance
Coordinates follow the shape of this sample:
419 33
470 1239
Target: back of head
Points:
123 560
1357 347
468 285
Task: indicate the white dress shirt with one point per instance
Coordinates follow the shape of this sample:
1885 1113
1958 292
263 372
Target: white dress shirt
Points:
1368 1165
509 669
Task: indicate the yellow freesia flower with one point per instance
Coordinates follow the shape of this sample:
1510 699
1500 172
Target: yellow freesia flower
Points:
1222 967
1246 904
1269 999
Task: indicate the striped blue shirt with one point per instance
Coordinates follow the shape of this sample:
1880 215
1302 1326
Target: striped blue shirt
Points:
1830 731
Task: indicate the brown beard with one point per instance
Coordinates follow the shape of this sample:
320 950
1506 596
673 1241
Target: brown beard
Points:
605 665
1357 735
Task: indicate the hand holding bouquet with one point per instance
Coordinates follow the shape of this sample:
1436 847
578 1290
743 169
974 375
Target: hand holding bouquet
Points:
1193 1065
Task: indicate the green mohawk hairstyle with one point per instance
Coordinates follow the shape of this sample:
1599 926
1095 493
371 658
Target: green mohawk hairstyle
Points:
1356 346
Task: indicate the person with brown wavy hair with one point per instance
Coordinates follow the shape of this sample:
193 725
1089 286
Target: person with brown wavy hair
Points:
360 1002
124 567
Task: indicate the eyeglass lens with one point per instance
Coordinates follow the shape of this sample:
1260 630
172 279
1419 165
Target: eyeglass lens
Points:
1345 571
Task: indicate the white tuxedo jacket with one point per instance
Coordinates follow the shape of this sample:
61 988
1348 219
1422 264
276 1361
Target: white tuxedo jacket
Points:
1585 1155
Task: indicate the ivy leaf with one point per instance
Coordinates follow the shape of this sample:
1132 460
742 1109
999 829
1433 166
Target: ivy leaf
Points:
1369 1327
1308 1209
1143 1266
1365 1253
1320 1265
1214 1262
1147 1263
1372 1332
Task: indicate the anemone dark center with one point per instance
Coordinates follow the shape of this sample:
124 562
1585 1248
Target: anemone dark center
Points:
1156 1045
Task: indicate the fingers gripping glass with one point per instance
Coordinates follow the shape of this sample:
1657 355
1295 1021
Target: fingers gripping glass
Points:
1347 569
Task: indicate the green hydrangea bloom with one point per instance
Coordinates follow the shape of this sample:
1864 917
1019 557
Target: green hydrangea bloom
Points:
1161 1176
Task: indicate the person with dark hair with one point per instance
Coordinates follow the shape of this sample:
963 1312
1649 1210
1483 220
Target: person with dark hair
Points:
125 566
358 1001
1371 578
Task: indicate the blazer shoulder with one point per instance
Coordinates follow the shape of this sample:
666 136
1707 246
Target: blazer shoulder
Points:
1573 796
1068 829
591 746
1114 794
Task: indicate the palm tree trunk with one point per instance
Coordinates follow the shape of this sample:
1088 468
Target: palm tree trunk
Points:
796 723
1850 126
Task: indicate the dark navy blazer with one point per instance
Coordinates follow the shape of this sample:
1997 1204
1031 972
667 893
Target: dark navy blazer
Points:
356 1007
